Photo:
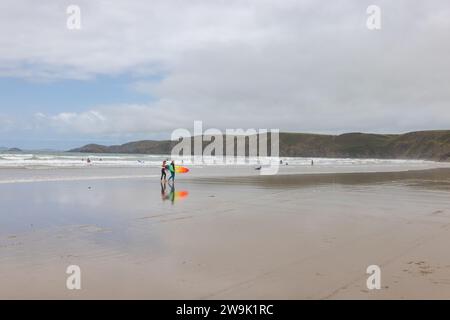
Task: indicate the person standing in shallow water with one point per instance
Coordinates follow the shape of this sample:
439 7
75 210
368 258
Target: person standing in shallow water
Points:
163 171
172 171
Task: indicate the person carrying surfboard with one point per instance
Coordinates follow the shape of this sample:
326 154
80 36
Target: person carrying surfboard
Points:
172 171
163 171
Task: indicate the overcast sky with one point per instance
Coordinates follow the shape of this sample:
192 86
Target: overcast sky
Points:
139 69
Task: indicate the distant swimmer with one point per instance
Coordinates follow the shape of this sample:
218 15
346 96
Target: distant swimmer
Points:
88 160
258 168
312 162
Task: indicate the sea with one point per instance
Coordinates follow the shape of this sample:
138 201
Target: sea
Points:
40 159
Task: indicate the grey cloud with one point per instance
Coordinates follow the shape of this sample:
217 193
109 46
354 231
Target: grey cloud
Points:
294 65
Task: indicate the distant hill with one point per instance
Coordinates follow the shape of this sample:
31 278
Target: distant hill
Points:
430 145
3 149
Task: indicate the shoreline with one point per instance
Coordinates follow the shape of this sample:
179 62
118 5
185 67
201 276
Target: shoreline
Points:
203 173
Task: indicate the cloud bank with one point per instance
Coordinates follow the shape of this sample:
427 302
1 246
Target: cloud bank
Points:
295 65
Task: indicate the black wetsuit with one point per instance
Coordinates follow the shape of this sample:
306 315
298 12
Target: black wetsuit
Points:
163 173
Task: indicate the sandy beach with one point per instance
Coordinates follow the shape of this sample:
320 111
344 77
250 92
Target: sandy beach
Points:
310 144
296 236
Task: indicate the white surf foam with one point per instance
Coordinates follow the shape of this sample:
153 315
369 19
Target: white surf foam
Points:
76 160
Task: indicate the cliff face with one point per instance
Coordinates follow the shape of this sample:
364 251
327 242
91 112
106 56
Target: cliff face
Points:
431 145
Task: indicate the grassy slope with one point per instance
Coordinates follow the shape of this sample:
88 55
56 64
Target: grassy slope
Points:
433 145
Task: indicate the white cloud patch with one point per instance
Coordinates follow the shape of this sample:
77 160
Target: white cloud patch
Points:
6 123
294 65
126 119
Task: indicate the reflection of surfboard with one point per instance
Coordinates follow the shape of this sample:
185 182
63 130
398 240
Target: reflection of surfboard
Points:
180 169
181 194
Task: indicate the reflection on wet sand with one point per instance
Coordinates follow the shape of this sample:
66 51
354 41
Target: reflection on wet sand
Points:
283 237
172 195
429 179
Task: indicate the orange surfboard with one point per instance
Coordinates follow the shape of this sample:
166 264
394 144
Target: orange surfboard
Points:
181 169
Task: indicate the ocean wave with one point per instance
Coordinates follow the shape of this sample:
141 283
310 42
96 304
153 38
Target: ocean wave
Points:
65 160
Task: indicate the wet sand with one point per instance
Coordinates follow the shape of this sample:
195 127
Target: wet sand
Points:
308 236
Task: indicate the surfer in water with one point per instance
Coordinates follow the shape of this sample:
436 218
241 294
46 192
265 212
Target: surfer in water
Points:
172 171
163 171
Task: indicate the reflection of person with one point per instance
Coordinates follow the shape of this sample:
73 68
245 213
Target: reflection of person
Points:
163 190
172 171
172 193
163 171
